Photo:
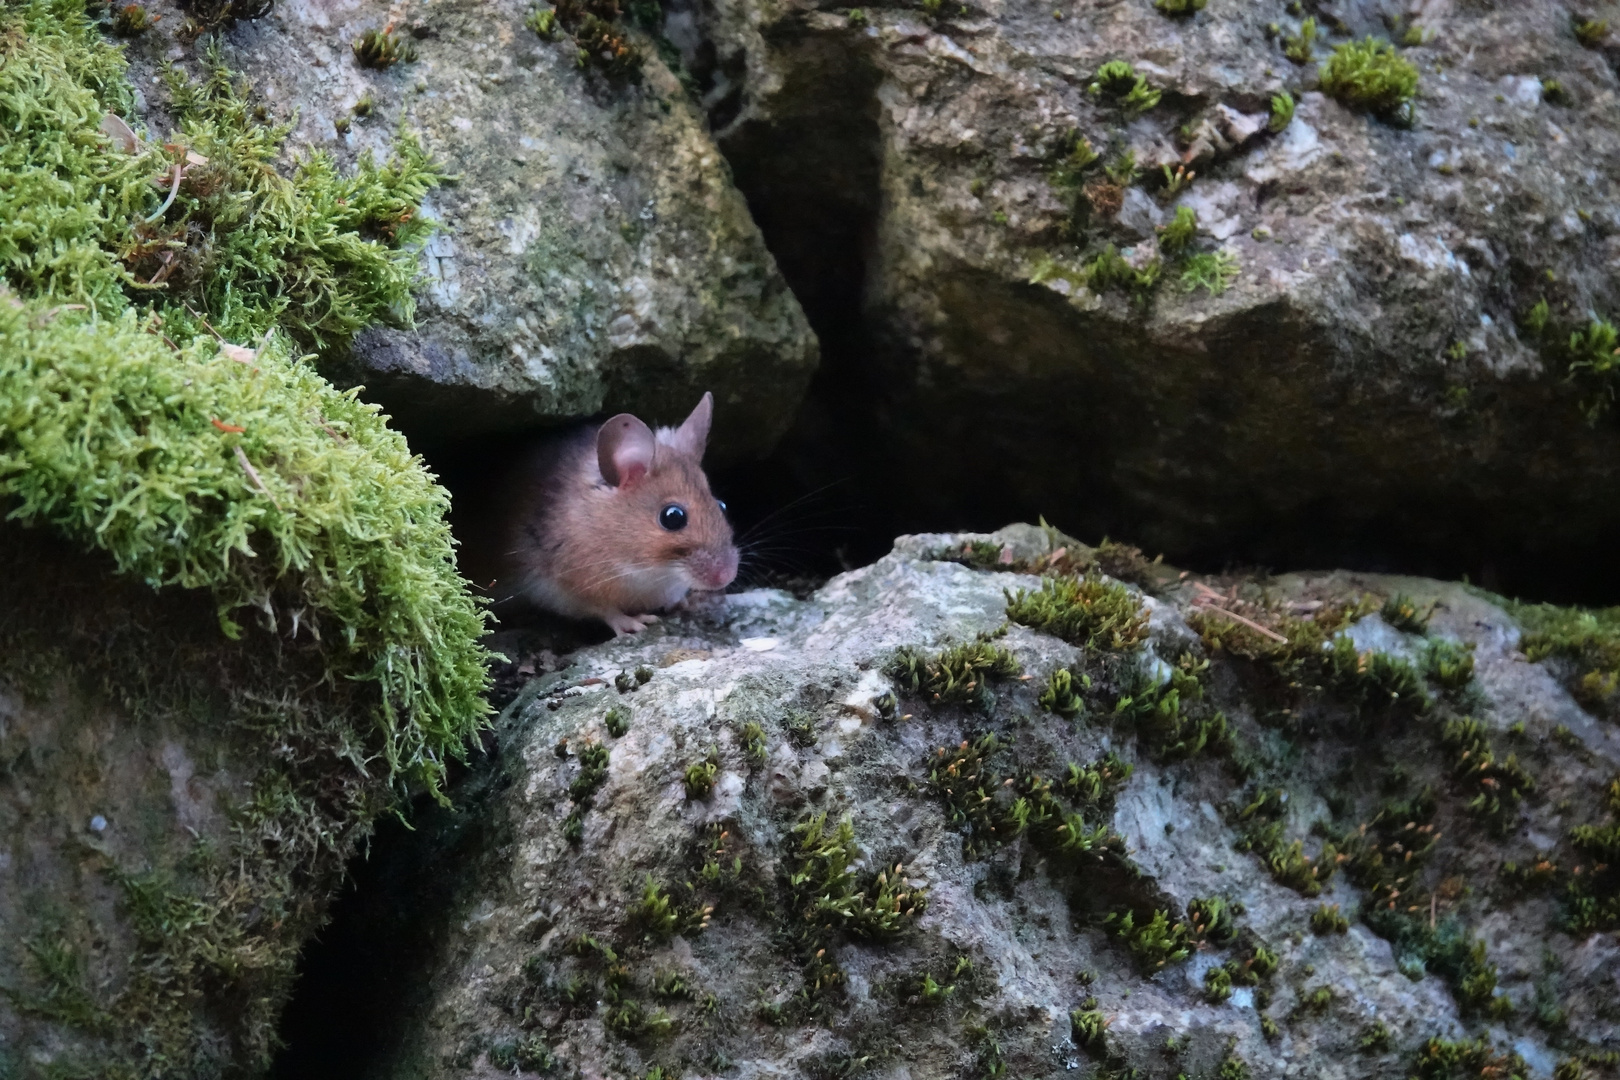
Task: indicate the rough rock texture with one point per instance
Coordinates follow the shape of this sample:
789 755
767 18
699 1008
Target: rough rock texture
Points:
684 926
166 844
595 254
1362 385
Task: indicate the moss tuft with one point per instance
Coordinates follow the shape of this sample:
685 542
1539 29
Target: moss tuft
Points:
958 675
1156 942
1371 75
1119 81
1405 614
1327 919
1591 33
1085 611
1212 271
1180 7
382 49
1282 110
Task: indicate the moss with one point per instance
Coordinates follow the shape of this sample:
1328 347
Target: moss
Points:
1061 695
1156 942
130 20
1371 75
599 40
1592 894
1085 611
1073 157
593 771
617 721
208 15
1449 664
1495 787
699 777
1443 1059
959 675
1588 640
1178 235
1119 81
1179 8
1089 1029
1172 718
1327 919
382 49
1261 830
1109 270
753 739
1282 110
1301 47
657 917
1591 33
1405 614
1212 271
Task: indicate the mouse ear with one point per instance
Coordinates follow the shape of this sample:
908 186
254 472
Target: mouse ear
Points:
693 435
624 450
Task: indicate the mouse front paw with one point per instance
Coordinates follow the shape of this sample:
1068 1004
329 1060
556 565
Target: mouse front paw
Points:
622 624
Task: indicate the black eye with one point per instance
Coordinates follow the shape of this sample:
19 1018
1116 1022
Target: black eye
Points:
672 517
722 503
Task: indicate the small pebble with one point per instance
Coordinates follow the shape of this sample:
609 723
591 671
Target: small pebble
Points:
98 824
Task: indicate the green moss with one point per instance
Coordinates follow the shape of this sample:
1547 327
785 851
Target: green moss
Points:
657 917
1587 639
1443 1059
753 738
1405 614
382 49
1179 7
1495 787
699 777
617 721
1210 920
1371 75
1591 33
1301 47
1449 664
1327 919
1109 270
959 675
1261 829
1212 271
1072 158
1155 943
1178 235
1172 718
598 38
1089 1030
1119 81
593 771
1061 695
1282 110
1085 611
1592 897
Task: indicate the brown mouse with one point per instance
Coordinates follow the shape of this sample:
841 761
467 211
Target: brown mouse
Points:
617 521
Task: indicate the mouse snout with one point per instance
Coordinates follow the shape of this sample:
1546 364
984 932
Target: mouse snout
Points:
713 569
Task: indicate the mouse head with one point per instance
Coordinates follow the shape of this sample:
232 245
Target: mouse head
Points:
663 503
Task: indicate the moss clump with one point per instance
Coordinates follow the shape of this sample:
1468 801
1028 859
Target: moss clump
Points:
959 675
1301 47
593 772
1172 718
1327 919
1449 664
1282 110
1371 75
1156 942
617 721
1211 271
1061 695
656 917
1592 898
599 40
1119 81
1085 611
1406 614
1587 640
1178 235
699 777
1210 920
1591 33
1089 1030
1180 7
1495 787
382 49
1443 1059
1109 270
1261 827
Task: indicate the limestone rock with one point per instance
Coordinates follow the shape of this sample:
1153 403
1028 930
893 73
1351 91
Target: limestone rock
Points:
1363 383
612 917
595 255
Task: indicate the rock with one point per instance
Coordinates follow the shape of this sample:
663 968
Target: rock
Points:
595 255
723 934
1362 390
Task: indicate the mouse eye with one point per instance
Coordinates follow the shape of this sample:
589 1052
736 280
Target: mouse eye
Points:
722 503
672 517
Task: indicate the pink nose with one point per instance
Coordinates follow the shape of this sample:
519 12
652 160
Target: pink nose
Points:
714 570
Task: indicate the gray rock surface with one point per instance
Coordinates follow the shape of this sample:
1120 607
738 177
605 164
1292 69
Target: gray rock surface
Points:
548 958
594 255
1365 374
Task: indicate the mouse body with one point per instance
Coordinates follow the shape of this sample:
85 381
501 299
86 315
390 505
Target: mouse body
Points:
616 521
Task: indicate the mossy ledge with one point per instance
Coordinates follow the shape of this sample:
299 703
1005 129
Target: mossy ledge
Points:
220 567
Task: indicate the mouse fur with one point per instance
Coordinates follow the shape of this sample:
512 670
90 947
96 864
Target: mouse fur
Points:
591 533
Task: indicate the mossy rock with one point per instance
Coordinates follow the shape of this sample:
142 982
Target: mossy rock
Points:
595 255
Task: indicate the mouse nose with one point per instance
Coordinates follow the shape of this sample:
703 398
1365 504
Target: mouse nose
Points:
715 570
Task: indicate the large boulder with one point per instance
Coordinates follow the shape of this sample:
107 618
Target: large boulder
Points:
1365 384
1254 827
594 254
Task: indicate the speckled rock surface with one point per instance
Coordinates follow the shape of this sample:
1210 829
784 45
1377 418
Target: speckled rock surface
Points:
1364 377
595 254
723 983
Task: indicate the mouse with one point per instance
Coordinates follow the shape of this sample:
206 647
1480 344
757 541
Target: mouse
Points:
616 522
